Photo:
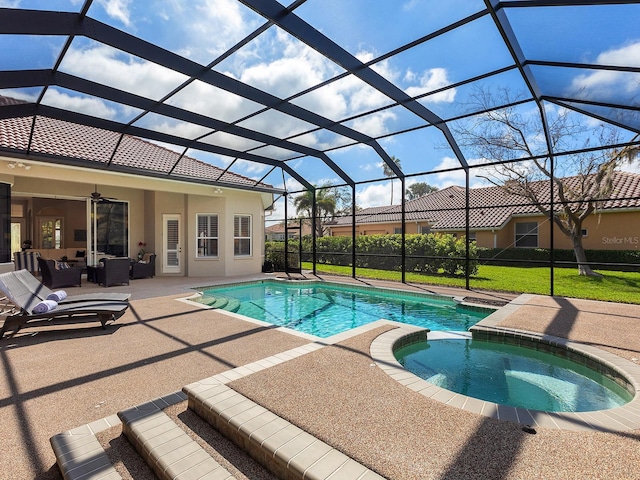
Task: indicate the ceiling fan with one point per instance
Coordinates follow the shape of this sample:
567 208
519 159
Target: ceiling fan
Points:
97 196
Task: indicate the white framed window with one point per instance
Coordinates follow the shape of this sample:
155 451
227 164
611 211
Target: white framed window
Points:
425 229
207 235
397 230
527 234
242 235
584 232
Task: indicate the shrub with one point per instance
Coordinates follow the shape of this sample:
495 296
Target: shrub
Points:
620 260
423 253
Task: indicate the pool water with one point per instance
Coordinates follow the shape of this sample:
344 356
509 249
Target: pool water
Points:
325 310
511 375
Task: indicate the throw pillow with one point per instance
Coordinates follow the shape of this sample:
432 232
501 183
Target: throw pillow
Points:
64 265
80 253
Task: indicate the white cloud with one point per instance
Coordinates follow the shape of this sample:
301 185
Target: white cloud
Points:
457 177
180 129
245 167
117 9
607 83
379 194
107 66
225 18
88 106
284 65
633 167
230 141
628 55
26 95
374 125
292 185
208 100
373 195
431 80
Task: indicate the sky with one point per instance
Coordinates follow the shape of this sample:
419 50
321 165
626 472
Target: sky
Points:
370 30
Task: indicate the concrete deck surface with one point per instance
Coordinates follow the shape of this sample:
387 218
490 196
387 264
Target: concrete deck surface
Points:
61 376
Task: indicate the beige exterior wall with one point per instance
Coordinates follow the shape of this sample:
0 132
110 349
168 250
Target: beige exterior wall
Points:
605 231
613 231
149 199
239 204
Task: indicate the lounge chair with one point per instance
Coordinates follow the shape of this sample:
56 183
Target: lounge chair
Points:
24 299
42 291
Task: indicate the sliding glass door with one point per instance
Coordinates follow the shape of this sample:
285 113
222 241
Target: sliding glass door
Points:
109 234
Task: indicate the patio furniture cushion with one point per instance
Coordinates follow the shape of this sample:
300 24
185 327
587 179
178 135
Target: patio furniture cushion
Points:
41 292
27 260
26 300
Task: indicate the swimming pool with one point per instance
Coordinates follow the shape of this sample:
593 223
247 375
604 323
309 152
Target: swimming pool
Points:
512 375
324 309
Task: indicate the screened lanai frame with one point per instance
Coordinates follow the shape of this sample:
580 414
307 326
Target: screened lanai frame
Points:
252 136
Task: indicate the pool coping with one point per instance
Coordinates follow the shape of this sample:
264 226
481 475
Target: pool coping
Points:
365 288
624 418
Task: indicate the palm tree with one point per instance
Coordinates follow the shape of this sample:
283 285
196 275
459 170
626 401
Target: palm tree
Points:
386 170
325 207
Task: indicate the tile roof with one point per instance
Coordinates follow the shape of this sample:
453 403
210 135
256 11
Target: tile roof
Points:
279 228
490 207
91 145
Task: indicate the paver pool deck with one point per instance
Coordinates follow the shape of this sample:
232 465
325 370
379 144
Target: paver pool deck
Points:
60 377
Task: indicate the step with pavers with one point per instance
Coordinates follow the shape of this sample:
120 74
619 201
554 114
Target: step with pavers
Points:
168 450
284 449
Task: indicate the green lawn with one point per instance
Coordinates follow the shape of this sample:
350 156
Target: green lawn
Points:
612 286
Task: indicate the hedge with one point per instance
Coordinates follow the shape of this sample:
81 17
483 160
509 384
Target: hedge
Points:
424 253
620 260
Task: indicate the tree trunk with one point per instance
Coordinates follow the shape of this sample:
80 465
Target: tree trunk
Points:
581 258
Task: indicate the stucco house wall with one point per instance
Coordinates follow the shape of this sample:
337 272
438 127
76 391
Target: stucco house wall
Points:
148 199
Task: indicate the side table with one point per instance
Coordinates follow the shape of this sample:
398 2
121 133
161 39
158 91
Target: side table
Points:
92 271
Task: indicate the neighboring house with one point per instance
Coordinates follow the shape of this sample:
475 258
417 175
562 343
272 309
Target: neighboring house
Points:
498 219
200 220
276 233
